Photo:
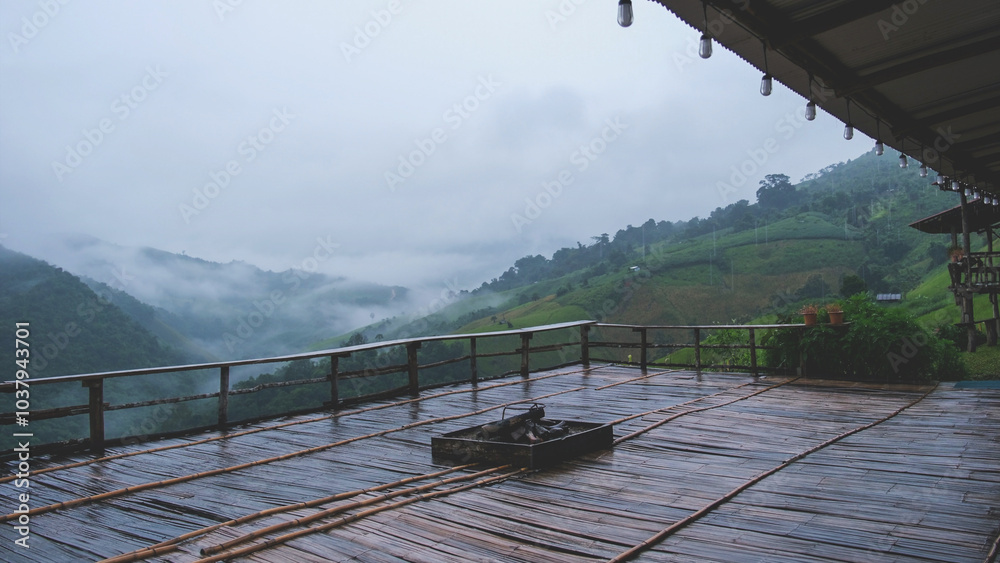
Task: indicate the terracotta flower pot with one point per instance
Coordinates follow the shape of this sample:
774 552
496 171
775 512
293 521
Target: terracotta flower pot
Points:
809 318
836 317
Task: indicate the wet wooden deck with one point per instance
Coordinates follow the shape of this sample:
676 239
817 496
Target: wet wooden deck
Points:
805 471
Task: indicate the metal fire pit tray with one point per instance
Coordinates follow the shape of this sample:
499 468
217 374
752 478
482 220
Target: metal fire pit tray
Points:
583 437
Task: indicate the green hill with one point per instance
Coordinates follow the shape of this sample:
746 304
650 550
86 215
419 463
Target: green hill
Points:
745 261
74 330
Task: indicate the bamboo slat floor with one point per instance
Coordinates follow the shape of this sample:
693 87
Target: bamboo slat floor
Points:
870 485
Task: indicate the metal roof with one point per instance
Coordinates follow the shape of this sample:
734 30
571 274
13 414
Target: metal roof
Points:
981 217
922 76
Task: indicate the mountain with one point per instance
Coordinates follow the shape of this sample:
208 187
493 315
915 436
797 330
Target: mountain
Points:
212 311
73 330
845 226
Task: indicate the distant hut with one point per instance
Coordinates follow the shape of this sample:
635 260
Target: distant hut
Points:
972 273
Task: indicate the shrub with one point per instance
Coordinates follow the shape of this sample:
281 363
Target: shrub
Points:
879 344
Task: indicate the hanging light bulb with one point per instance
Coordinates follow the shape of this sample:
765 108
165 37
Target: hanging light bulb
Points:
903 163
940 180
811 110
923 170
975 195
705 45
849 128
624 13
968 191
766 84
879 147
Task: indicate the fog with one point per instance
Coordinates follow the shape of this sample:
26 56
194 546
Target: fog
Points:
418 144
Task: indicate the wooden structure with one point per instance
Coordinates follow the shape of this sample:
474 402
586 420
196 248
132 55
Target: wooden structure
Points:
972 273
705 466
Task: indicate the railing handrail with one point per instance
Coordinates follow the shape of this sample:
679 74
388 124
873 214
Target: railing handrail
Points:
681 327
8 386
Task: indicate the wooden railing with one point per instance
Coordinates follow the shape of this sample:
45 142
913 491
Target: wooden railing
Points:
96 407
698 345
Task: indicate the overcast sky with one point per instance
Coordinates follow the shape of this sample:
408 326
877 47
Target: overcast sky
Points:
423 143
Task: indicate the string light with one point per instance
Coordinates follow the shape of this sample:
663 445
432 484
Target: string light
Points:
625 13
766 84
705 45
849 128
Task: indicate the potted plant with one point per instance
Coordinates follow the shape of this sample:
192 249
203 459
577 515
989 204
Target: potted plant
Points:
809 314
836 313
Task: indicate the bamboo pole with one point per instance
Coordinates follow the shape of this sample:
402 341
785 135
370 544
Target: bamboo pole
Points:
172 544
670 530
354 517
210 550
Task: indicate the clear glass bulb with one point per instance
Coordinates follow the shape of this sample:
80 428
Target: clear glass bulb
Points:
903 163
811 110
955 185
879 148
766 84
968 192
848 131
625 13
705 46
923 170
975 196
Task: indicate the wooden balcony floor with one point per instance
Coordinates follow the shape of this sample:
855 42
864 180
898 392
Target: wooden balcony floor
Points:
923 485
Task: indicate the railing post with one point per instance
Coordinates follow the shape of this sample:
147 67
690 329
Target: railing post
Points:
802 353
334 378
753 353
697 349
96 411
412 366
472 360
223 396
642 349
525 351
585 345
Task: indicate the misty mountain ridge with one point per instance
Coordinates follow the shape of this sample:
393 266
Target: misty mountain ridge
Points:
213 311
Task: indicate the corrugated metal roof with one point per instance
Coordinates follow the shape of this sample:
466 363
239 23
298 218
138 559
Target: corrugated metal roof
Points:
924 76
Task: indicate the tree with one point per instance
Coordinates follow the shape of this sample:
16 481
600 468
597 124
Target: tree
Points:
852 285
776 192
